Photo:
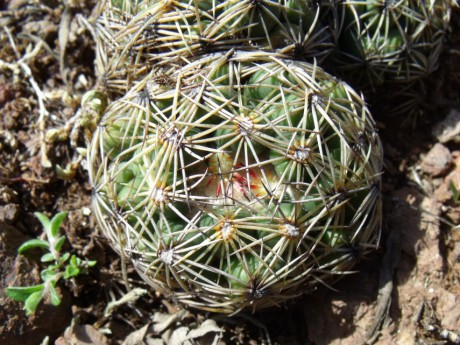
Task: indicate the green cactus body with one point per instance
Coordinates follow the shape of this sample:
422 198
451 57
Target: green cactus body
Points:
390 41
240 183
132 34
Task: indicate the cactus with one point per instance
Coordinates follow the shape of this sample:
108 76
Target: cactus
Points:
397 41
239 180
136 34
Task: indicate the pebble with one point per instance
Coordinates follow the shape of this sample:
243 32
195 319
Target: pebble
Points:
437 161
448 129
9 213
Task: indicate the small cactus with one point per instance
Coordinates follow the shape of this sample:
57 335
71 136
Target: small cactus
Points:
397 41
137 34
239 180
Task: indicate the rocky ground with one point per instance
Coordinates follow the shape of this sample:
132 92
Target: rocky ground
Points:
406 293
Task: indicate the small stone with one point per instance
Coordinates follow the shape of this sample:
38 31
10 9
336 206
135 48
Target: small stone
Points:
86 211
82 335
443 193
447 310
449 128
9 213
437 161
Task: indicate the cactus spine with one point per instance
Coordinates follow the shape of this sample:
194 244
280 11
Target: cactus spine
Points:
390 41
238 181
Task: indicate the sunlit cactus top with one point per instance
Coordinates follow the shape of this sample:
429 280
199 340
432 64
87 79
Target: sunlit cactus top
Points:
238 181
133 35
385 40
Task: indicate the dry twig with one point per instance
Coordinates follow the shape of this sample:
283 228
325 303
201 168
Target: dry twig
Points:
21 68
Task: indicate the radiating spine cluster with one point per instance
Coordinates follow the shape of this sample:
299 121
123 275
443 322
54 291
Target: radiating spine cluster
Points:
240 180
135 35
390 41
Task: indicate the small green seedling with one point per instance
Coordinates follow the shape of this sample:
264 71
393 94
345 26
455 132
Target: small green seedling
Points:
455 193
61 265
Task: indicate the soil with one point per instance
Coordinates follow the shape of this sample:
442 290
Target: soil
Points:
408 292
